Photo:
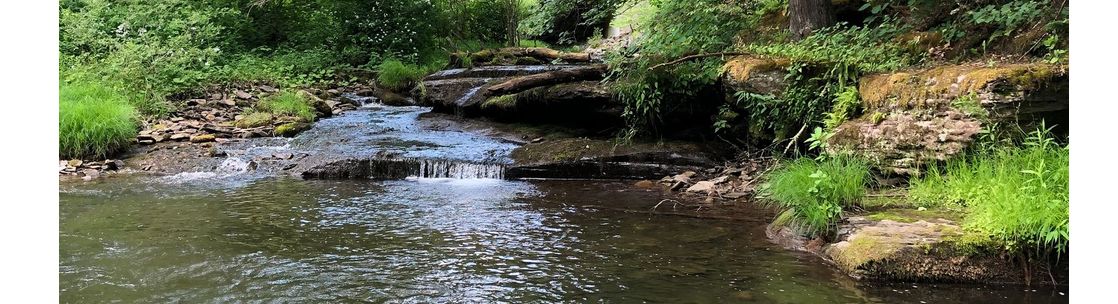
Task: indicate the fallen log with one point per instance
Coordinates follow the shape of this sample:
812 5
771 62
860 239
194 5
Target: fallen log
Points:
518 84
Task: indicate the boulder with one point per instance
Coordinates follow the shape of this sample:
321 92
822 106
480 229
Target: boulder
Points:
320 106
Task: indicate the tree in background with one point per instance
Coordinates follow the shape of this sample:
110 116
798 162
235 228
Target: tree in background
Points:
806 16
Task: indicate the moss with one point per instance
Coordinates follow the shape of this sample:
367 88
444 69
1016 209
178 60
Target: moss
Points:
930 88
971 243
258 119
862 250
881 216
503 102
741 67
291 129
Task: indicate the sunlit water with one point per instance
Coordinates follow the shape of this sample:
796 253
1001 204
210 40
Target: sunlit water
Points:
230 237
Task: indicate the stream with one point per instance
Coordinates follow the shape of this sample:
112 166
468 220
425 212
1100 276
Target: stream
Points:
454 231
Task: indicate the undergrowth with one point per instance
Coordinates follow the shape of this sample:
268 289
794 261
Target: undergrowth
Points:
1016 195
94 121
813 193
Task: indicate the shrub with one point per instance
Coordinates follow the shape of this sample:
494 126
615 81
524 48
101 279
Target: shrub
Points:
867 49
94 121
815 192
1016 195
289 104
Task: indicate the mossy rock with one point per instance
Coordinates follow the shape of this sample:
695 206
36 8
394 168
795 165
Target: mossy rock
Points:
936 87
291 129
254 120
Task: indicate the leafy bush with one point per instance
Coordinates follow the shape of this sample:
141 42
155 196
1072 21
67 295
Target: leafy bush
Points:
94 121
814 193
1016 195
289 104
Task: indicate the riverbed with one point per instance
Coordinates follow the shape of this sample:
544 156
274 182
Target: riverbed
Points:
231 233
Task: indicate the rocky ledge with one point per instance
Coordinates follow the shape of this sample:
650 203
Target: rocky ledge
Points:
911 246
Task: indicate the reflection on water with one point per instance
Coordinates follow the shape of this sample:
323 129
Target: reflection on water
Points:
430 240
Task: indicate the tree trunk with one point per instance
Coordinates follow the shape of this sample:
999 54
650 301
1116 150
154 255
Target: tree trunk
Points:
806 16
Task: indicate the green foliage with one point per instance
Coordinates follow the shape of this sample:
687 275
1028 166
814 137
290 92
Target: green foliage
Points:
865 48
399 76
94 121
847 103
814 193
567 22
287 104
1008 17
1016 195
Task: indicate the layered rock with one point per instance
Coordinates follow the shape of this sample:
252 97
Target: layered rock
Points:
914 118
604 159
535 93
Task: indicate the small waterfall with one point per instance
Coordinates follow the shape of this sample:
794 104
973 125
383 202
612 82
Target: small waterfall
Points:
469 94
431 168
404 168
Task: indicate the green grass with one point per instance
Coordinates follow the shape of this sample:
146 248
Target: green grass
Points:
814 193
399 76
1015 195
253 120
94 121
287 103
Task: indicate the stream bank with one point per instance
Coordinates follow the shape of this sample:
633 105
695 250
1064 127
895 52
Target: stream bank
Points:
486 121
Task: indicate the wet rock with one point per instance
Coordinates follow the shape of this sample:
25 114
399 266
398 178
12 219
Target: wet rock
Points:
89 174
114 164
701 187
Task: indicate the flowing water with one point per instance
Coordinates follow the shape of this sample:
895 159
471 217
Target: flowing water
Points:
233 236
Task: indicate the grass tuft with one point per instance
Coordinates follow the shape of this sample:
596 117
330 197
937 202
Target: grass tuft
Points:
289 104
1015 195
814 193
94 121
398 76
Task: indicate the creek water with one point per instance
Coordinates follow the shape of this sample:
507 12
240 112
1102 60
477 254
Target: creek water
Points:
236 235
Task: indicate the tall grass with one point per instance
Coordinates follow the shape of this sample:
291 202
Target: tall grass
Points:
1015 195
815 192
399 76
289 104
94 121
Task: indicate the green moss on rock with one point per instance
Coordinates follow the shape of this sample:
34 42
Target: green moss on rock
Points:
254 120
291 129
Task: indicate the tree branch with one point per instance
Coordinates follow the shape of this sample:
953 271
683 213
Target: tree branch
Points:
696 56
